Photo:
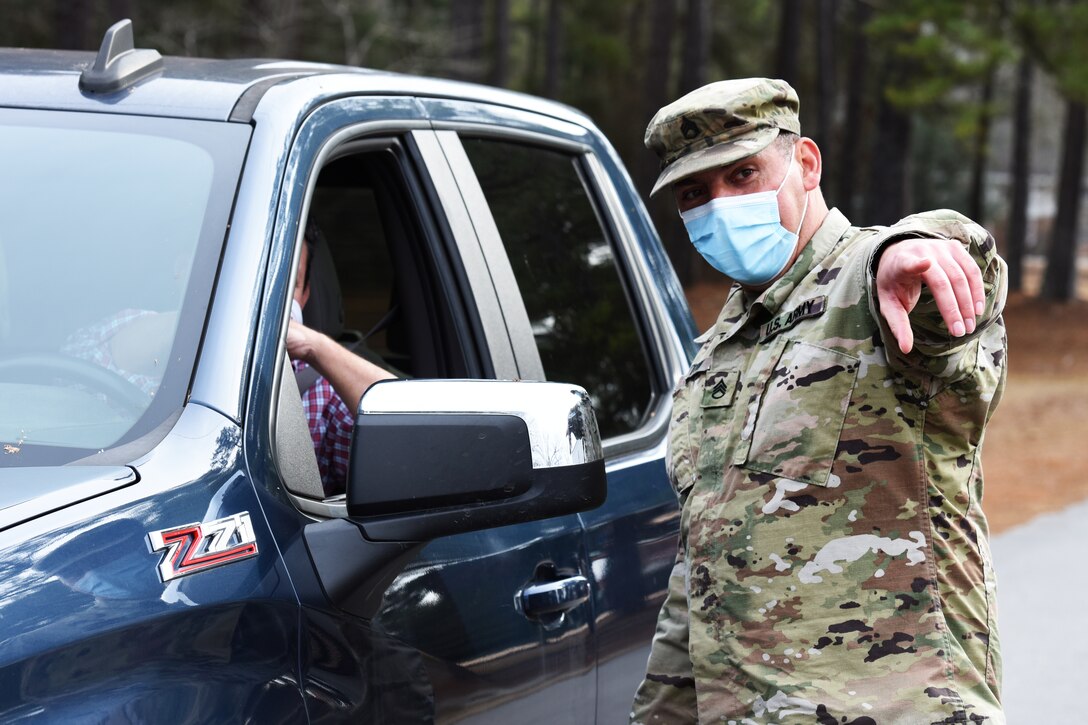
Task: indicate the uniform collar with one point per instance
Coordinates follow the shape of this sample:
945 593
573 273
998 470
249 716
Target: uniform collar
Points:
824 240
730 318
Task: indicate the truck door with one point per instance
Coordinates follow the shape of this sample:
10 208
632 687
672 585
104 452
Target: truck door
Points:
596 316
476 626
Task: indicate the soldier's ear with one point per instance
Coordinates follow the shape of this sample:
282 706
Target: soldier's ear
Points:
812 167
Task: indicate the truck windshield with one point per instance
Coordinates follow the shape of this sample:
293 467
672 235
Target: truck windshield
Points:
111 228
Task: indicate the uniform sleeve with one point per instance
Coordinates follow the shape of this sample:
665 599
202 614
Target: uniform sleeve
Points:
936 352
667 694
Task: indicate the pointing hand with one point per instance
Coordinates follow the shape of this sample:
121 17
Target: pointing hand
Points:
946 268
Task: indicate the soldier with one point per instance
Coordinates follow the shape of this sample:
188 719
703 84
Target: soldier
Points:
825 444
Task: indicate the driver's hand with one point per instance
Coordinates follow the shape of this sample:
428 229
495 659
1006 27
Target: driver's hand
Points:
301 342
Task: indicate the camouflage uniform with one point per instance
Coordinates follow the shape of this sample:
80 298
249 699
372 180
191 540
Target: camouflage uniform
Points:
833 563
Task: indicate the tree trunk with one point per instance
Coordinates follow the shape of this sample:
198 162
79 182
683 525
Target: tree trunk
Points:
655 88
694 58
119 10
849 159
281 22
1061 265
1016 232
553 49
254 31
500 69
696 50
977 203
789 40
662 18
657 66
888 197
467 26
70 25
825 76
536 30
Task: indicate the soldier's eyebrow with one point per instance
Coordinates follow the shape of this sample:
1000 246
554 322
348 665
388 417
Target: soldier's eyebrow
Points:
757 159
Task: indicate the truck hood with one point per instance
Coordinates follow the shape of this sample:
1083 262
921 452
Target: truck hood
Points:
26 493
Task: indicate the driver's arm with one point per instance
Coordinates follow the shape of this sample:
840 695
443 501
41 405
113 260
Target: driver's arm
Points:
349 374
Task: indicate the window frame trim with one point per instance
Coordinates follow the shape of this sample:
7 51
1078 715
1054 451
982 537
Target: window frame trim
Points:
354 137
632 268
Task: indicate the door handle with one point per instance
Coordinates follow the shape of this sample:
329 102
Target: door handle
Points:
555 597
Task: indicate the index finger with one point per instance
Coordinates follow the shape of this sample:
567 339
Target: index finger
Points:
974 277
948 285
898 319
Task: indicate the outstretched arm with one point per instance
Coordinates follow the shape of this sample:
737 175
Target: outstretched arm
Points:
349 374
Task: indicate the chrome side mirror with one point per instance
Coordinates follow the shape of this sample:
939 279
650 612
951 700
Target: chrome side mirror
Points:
437 457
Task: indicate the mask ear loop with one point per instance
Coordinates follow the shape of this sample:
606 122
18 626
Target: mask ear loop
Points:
804 211
789 168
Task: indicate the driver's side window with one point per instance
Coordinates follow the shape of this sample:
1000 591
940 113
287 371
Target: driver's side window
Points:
373 288
354 296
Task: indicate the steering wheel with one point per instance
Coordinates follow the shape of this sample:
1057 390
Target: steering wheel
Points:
43 368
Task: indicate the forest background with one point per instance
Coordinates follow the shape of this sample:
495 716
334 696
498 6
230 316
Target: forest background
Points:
975 105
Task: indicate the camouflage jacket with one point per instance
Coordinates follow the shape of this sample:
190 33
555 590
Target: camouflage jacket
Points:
833 563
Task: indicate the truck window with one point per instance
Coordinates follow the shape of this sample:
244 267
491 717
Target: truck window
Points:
361 270
563 259
111 229
375 287
391 304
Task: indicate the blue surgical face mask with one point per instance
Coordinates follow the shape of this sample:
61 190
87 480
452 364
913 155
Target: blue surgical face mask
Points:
742 236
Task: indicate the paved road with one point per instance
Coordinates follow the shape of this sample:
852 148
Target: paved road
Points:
1042 574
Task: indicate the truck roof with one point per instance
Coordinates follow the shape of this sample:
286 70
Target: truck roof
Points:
222 90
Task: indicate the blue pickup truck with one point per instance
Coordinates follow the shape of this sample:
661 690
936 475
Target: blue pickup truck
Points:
167 550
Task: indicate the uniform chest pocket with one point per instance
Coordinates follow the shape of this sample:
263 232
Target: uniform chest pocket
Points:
800 413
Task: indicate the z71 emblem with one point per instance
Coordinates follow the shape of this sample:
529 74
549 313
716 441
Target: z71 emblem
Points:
199 547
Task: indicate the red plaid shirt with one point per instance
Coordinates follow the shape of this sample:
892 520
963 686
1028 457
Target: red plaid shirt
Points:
331 421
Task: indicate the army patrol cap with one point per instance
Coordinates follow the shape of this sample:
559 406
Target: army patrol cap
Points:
720 123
